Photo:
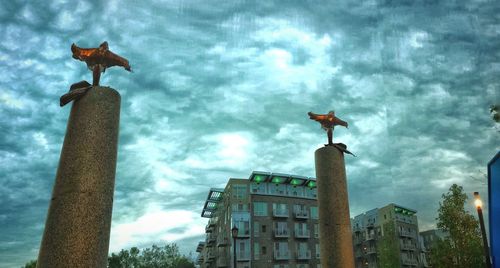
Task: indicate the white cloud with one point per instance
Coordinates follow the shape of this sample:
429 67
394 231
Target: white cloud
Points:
156 226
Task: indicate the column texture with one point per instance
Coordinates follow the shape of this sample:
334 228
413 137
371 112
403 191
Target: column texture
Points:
78 223
335 239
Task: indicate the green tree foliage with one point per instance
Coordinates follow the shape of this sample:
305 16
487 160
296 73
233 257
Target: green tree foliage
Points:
463 247
30 264
387 247
154 257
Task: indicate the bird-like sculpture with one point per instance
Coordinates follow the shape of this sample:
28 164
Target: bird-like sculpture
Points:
98 59
328 122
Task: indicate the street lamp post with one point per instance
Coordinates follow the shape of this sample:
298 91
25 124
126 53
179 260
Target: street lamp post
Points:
479 205
234 233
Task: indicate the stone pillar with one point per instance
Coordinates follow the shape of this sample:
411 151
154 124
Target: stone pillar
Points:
335 238
79 218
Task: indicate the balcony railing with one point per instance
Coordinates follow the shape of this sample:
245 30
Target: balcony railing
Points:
410 262
301 214
221 261
304 255
406 234
358 240
243 256
280 213
210 226
222 242
281 255
243 233
211 238
408 247
200 259
281 233
211 255
370 237
302 234
371 250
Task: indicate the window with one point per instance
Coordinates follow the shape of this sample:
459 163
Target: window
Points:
240 207
280 209
281 227
317 251
242 254
256 229
281 251
263 228
258 188
243 227
256 251
259 208
264 250
239 191
295 190
277 189
316 230
301 230
314 212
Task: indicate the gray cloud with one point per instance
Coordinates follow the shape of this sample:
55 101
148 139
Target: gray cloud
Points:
219 92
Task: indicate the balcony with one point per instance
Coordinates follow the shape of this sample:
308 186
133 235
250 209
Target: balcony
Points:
371 250
210 256
280 233
281 255
200 259
301 214
211 238
222 262
209 229
303 255
222 242
370 237
358 240
410 262
406 234
280 213
243 233
302 234
243 256
210 226
408 247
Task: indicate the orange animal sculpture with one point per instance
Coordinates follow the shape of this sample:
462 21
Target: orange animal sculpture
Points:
98 59
328 122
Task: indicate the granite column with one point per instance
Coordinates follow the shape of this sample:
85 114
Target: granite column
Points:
336 250
78 224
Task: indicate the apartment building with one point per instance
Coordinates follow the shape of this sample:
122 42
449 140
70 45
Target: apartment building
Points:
277 219
394 227
429 238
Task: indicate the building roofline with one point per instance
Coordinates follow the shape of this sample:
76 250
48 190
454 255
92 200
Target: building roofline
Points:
282 178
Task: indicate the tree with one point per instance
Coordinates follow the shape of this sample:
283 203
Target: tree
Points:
462 247
30 264
387 247
154 257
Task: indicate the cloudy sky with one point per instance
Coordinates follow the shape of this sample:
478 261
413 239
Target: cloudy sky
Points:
222 88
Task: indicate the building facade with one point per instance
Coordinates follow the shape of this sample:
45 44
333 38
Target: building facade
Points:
388 234
277 219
